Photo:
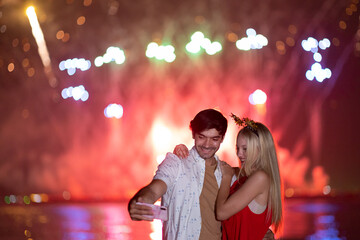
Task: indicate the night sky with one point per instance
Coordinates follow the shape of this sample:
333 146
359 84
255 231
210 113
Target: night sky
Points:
50 144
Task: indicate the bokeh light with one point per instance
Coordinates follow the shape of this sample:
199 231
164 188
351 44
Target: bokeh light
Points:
199 42
36 198
257 97
326 190
76 63
77 93
316 71
112 54
114 111
160 52
7 199
252 41
66 195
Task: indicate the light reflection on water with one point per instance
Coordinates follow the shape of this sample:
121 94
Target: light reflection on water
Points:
326 228
89 221
315 219
304 219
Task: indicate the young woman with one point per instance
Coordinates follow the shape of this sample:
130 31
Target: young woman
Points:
253 203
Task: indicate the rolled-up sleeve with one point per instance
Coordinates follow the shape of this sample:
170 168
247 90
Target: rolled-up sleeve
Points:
168 169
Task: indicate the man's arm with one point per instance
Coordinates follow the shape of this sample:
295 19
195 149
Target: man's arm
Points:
148 194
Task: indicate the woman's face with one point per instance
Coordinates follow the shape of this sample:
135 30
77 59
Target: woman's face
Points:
241 147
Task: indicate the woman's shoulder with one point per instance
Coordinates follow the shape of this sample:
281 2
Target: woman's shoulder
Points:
259 176
261 181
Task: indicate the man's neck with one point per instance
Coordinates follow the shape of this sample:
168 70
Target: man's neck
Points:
210 161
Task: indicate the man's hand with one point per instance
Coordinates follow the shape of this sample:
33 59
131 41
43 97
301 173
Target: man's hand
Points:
269 235
138 212
148 194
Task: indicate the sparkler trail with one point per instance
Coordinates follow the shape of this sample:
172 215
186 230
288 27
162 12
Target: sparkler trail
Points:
40 41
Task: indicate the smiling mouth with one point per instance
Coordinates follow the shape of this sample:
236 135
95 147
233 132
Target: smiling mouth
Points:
206 149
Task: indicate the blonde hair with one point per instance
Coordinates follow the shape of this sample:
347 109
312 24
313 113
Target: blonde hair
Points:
261 155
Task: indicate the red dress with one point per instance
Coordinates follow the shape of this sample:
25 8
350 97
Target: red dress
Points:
245 225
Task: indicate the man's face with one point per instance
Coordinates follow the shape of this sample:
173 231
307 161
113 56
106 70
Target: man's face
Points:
207 142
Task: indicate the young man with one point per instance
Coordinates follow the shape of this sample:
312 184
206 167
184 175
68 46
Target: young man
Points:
189 186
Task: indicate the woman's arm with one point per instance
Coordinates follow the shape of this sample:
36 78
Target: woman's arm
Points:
223 194
258 183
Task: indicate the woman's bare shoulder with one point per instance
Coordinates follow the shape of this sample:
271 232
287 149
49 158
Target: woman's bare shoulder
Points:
260 176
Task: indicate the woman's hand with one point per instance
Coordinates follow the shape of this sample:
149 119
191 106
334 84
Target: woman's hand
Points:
181 151
226 169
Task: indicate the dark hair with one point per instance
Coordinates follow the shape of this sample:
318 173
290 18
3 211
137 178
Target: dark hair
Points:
208 119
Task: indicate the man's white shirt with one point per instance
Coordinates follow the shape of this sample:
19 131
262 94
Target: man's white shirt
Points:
184 179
